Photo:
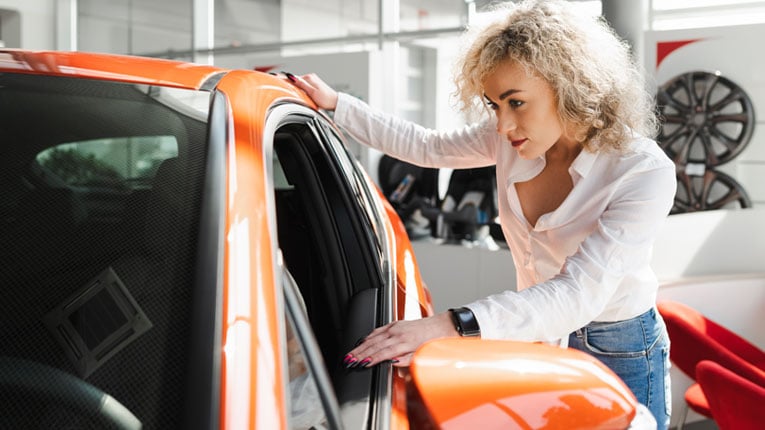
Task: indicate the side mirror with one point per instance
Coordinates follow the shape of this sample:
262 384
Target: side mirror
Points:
473 383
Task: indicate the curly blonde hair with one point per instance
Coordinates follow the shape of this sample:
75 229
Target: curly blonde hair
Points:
600 91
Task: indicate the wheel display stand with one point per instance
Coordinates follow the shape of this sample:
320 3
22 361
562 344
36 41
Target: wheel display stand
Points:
707 120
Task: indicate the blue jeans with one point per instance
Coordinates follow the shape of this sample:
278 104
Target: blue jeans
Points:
637 350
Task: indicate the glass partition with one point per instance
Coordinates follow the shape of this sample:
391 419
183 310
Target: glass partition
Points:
143 27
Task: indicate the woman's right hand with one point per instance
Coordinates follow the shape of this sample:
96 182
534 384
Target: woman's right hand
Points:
322 94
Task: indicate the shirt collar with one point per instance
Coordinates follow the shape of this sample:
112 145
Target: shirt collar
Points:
583 162
526 169
523 169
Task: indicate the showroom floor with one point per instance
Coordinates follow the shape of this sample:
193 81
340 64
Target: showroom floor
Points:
701 425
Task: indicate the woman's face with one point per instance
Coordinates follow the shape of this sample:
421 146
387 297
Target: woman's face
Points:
526 110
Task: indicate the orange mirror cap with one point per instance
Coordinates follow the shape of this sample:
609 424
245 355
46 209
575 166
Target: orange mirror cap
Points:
473 383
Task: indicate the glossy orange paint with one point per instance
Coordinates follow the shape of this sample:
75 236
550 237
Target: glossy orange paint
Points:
412 300
124 68
411 291
253 394
470 383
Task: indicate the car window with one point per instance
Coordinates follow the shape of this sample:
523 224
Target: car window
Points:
360 187
121 162
99 221
280 179
306 410
312 404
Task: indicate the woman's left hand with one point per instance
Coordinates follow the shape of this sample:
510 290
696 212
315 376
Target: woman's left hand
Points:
398 340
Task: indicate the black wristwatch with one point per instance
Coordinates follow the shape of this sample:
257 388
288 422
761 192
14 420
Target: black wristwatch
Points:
465 322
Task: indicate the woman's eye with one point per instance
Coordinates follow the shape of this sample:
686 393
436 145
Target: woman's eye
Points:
491 105
515 103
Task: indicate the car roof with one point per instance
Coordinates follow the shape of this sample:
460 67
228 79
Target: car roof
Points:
139 70
124 68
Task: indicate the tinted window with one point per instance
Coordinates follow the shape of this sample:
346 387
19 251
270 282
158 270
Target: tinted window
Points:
129 162
361 188
306 409
99 207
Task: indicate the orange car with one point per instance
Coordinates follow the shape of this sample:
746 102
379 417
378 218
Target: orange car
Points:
190 247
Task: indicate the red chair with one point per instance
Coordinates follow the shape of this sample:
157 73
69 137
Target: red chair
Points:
695 338
735 401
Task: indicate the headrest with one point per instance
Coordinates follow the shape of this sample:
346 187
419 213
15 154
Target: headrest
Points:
168 213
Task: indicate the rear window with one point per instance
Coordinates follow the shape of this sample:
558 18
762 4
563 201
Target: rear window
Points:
99 211
129 162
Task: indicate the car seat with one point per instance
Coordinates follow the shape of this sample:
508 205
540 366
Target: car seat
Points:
147 374
470 203
406 186
156 269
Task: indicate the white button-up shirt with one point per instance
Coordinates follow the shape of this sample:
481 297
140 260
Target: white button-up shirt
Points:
588 260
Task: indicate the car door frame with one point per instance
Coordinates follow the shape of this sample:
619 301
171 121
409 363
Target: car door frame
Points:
379 410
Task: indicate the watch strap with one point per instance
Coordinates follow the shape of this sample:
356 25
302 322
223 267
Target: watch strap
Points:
465 322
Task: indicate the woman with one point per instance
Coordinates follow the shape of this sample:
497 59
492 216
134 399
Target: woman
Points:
582 192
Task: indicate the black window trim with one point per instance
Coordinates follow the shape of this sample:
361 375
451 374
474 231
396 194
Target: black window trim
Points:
360 186
204 372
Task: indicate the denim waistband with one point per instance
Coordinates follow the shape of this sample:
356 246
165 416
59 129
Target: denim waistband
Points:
648 316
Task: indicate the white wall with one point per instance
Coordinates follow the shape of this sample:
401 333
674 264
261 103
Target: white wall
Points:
457 275
37 22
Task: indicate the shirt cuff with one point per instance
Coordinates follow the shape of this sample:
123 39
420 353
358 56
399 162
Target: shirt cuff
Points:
488 330
343 111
